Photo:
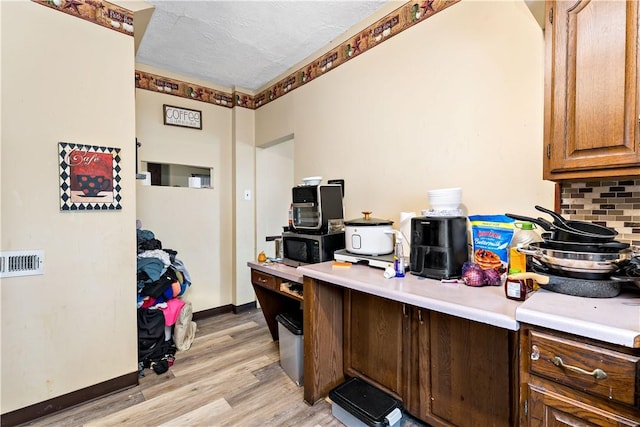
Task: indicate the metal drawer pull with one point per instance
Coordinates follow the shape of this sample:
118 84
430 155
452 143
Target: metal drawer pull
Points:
262 280
598 373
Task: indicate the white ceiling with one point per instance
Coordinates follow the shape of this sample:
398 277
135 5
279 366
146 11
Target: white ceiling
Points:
241 43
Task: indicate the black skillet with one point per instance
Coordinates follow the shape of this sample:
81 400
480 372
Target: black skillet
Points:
564 234
581 226
581 287
606 247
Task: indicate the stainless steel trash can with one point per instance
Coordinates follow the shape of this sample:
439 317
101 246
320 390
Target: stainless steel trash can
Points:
291 349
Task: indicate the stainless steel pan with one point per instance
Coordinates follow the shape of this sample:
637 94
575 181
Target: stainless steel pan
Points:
583 265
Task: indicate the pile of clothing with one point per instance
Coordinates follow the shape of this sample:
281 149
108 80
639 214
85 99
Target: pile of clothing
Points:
162 279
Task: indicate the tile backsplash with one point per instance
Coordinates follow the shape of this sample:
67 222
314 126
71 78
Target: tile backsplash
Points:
615 204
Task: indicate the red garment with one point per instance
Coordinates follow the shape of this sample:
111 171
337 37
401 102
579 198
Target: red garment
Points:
148 302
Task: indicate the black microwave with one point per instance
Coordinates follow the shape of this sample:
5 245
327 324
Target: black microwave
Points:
301 249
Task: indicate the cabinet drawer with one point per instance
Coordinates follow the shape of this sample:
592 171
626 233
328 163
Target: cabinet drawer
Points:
585 367
263 279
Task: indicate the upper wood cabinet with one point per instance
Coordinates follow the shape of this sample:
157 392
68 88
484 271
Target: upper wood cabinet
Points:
592 90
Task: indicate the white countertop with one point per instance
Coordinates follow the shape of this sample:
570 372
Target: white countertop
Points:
485 305
612 320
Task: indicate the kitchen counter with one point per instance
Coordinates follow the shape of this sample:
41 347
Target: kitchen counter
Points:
277 269
485 304
612 320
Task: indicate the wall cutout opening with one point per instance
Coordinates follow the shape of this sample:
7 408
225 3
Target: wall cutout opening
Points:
174 175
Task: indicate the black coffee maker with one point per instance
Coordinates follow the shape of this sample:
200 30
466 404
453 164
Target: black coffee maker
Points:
439 246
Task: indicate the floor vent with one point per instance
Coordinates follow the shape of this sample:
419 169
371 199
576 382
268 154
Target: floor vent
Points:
21 263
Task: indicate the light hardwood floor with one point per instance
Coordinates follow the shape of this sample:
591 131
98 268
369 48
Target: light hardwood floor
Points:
231 376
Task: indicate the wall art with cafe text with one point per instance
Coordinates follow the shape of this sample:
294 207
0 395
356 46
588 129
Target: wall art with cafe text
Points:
89 177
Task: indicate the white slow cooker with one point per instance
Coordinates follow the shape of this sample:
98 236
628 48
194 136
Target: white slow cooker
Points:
369 236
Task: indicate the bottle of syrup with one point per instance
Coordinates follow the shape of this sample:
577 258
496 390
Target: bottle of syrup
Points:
517 289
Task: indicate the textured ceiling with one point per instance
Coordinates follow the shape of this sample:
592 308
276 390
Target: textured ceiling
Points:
244 43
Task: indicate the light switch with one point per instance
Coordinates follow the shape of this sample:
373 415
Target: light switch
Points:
247 194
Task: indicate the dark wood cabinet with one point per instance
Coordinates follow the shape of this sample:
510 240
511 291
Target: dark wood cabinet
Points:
548 408
473 370
574 381
272 299
592 87
446 370
373 340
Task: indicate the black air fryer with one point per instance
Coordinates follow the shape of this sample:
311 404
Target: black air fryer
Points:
439 246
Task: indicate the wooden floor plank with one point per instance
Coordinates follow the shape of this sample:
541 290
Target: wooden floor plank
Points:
231 376
166 406
201 416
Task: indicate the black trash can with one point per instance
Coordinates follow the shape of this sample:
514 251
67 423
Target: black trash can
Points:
357 403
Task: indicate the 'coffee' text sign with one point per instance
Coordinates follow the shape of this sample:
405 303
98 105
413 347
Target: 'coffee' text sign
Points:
176 116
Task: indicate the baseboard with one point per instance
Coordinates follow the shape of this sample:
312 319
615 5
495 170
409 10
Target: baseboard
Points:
204 314
229 308
48 407
237 309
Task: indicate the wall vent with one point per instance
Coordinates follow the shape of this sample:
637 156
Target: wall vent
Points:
21 263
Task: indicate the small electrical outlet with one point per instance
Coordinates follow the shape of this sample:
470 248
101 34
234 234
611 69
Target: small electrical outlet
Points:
247 194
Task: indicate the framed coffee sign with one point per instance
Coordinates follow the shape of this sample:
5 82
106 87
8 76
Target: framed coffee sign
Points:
89 177
177 116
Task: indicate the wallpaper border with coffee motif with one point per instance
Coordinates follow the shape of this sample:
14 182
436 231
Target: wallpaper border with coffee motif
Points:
99 12
403 18
116 18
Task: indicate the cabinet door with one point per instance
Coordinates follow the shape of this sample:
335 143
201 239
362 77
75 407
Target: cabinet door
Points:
591 101
418 395
373 340
551 409
472 372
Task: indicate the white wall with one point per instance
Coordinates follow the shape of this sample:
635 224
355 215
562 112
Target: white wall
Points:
454 101
64 79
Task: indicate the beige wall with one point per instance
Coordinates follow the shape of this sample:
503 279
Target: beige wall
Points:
243 219
454 101
274 120
274 179
64 79
194 222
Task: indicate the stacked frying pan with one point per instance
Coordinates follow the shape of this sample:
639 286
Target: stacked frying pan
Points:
578 257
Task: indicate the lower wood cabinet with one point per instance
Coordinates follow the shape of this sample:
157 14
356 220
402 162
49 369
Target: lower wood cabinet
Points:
374 339
272 300
473 367
446 370
568 380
